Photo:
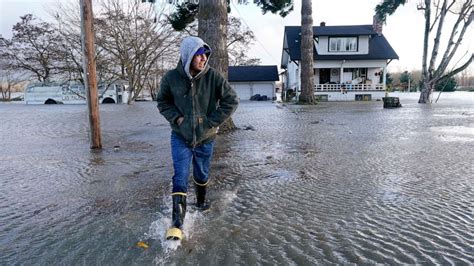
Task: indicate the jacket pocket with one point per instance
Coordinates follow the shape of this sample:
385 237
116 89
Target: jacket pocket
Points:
185 129
204 130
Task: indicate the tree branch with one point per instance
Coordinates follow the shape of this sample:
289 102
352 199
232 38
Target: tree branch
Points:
427 12
450 50
434 53
457 70
436 14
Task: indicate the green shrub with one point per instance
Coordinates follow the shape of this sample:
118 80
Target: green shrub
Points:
446 85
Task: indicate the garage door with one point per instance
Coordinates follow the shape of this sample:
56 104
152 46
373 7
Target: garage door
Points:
246 90
263 89
243 91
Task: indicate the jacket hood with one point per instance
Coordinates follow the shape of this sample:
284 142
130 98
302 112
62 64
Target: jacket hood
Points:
189 47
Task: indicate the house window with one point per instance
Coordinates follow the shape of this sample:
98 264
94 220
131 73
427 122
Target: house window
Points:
363 97
359 72
343 44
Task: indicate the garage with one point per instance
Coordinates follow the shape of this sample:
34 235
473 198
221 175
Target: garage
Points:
267 89
244 90
251 80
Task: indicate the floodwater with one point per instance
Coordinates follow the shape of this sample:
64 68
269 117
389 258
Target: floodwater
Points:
346 182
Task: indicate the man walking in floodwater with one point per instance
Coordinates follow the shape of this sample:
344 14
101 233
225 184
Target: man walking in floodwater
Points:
195 99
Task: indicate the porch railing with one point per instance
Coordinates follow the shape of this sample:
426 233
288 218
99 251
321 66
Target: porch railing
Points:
348 87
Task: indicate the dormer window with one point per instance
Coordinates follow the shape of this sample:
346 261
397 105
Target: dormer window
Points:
342 44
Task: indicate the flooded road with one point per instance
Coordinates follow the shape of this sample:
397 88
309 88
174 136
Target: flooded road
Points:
346 182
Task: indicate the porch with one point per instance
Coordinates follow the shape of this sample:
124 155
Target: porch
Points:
348 87
358 79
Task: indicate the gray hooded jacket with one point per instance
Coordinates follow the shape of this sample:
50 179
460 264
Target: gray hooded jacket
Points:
205 100
188 48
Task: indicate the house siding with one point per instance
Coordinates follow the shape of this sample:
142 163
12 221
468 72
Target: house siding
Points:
293 77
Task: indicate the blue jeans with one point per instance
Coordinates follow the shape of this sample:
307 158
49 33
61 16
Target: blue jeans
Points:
182 155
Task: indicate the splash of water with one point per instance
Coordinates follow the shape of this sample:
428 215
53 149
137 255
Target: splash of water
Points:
158 228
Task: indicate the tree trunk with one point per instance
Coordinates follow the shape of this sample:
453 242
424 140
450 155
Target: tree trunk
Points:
307 75
213 30
130 95
425 89
3 91
432 74
9 92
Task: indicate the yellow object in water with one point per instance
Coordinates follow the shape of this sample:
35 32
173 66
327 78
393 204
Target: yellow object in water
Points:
174 234
142 244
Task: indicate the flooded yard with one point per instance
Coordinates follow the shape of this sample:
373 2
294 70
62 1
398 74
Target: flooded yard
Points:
340 182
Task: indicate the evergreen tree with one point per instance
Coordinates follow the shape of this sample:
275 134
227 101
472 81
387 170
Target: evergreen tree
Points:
446 85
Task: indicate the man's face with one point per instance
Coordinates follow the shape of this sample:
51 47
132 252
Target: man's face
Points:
198 63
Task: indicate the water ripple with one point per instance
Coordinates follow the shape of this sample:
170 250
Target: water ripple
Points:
339 183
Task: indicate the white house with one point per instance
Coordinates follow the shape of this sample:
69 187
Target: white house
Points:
251 80
350 62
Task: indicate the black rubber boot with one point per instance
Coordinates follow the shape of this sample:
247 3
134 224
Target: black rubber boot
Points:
201 203
179 210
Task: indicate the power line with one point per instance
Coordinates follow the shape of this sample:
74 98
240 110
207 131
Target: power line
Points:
258 41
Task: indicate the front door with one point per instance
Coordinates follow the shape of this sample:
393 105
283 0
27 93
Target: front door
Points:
324 75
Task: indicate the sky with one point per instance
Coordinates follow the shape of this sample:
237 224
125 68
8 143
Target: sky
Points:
404 29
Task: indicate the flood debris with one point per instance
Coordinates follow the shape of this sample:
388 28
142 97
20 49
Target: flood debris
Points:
142 244
249 127
258 97
391 102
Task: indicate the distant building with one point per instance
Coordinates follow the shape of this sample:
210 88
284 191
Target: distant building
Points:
248 81
350 62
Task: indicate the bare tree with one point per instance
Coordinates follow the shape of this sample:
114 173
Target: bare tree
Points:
68 26
134 37
434 70
240 38
9 78
465 79
307 44
33 47
134 43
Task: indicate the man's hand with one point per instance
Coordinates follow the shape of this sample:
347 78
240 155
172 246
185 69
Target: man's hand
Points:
179 121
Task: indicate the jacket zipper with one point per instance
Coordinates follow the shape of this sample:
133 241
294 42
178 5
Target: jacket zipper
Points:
193 94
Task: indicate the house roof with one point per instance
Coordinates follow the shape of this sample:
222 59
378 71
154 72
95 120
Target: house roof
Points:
379 48
350 30
253 73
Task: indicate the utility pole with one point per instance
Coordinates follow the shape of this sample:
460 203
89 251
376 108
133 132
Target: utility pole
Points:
90 80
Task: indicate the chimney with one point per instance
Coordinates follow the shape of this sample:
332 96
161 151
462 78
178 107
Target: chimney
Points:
322 24
377 24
